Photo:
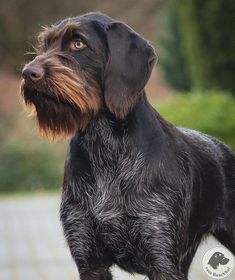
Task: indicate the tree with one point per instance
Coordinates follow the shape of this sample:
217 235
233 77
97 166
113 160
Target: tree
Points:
172 60
206 29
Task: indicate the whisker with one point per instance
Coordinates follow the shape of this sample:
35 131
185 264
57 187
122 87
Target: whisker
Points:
30 53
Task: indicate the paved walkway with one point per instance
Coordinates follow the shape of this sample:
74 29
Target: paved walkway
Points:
32 245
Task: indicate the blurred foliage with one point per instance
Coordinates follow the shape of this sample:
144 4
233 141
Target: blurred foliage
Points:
172 59
27 163
207 42
28 169
209 112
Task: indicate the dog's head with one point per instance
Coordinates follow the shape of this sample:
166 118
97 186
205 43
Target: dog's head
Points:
85 65
216 259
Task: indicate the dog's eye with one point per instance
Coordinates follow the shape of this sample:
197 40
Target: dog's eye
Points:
77 44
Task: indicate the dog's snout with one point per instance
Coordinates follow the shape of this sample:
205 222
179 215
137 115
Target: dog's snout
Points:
33 73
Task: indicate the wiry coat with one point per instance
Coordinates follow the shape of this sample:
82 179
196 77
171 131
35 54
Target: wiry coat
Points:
138 192
141 193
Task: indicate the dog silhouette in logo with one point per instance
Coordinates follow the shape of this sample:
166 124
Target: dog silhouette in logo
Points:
216 259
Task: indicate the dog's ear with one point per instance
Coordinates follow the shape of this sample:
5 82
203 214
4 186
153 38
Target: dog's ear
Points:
128 69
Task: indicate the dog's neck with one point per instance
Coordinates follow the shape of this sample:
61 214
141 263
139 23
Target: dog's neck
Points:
143 126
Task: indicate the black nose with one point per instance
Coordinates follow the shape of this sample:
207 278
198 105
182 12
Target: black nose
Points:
33 73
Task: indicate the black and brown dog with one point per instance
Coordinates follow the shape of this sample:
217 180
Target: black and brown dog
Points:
138 192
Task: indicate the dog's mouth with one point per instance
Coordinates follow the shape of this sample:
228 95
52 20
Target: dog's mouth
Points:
34 96
56 115
63 101
224 261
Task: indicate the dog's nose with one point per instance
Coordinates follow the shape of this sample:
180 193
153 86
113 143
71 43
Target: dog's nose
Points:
33 73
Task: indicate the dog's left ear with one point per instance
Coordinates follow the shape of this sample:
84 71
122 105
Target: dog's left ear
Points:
128 69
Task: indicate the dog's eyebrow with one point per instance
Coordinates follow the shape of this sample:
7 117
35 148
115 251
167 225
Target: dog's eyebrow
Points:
51 34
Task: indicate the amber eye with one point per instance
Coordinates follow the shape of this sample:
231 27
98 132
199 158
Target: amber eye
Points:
78 44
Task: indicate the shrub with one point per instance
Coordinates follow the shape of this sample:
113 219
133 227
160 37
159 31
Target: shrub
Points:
29 168
210 112
28 163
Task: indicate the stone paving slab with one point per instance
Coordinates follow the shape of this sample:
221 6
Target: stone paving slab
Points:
32 246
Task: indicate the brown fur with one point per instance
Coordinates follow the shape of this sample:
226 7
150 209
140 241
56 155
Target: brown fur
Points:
122 105
51 35
73 102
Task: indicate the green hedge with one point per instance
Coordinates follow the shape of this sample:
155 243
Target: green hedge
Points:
28 163
210 112
29 169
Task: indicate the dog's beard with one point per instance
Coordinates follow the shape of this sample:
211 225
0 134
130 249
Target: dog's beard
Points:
62 102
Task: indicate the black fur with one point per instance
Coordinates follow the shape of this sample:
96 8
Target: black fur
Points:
142 194
139 192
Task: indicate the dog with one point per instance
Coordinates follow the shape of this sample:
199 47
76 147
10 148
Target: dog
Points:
138 192
217 259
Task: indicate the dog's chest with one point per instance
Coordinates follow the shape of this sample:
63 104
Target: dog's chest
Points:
105 189
118 232
111 206
114 182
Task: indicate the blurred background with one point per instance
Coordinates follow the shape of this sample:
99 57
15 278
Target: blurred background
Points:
192 85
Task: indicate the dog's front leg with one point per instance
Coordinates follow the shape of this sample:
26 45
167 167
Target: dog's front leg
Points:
161 276
95 274
162 268
79 232
161 247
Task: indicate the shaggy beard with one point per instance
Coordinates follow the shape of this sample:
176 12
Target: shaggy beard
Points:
55 119
62 102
